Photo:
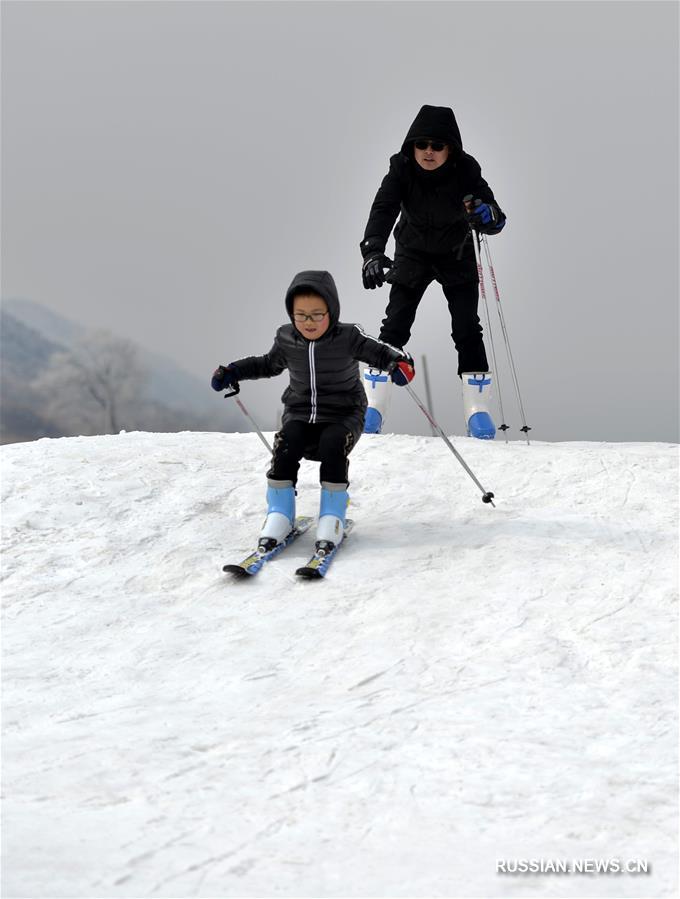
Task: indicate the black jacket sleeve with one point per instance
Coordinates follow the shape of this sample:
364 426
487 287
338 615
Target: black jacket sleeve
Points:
271 364
373 352
384 211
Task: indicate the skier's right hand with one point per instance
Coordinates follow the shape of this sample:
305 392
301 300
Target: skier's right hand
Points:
224 376
372 271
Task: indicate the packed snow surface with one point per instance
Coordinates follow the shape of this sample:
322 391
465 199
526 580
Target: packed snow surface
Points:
469 684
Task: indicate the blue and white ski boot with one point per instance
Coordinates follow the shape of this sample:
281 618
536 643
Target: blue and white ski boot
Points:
332 513
477 394
331 530
280 518
378 386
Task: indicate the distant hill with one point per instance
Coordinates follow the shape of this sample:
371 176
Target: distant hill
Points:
23 347
23 352
173 400
44 321
169 384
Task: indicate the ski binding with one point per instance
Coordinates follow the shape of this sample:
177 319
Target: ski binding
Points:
255 561
323 556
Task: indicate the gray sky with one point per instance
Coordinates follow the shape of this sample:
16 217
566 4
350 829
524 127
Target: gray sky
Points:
169 166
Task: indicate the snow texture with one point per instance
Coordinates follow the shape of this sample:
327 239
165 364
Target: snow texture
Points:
468 684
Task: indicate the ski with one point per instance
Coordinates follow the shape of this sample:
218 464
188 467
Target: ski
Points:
254 562
323 556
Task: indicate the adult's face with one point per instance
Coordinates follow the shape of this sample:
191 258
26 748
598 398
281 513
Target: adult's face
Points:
430 154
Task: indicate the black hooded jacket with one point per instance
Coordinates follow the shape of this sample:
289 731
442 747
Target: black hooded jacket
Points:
325 384
432 217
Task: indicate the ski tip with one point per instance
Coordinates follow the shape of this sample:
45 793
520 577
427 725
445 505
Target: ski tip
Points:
238 571
309 574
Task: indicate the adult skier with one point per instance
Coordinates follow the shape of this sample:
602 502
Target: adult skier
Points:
324 404
427 182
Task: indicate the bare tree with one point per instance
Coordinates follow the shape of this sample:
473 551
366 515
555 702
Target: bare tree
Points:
95 386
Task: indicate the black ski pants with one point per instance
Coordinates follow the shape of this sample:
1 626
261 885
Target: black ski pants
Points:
329 444
466 329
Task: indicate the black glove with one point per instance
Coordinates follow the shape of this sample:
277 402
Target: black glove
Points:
372 271
403 371
224 376
483 217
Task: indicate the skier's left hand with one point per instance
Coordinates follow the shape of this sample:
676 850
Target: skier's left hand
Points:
404 371
484 217
224 376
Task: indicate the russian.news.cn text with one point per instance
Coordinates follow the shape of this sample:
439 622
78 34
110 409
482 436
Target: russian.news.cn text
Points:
573 866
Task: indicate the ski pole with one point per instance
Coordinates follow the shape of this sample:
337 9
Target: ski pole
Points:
235 390
468 201
525 427
487 496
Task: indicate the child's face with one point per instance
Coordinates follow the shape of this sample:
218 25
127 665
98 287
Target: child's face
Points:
311 304
428 158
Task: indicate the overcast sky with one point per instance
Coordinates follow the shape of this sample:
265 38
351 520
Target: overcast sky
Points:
169 166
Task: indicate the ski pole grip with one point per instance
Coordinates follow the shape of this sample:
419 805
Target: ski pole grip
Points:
235 390
469 201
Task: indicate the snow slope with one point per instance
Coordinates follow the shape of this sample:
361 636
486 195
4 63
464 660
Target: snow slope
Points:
468 684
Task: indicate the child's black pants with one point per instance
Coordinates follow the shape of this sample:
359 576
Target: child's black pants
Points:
330 444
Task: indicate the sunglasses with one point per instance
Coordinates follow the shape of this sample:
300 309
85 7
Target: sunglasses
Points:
437 145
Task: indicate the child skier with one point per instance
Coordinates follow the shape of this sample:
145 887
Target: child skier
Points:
324 404
427 182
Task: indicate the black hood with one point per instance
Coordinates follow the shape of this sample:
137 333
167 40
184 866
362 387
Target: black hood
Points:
317 282
438 123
